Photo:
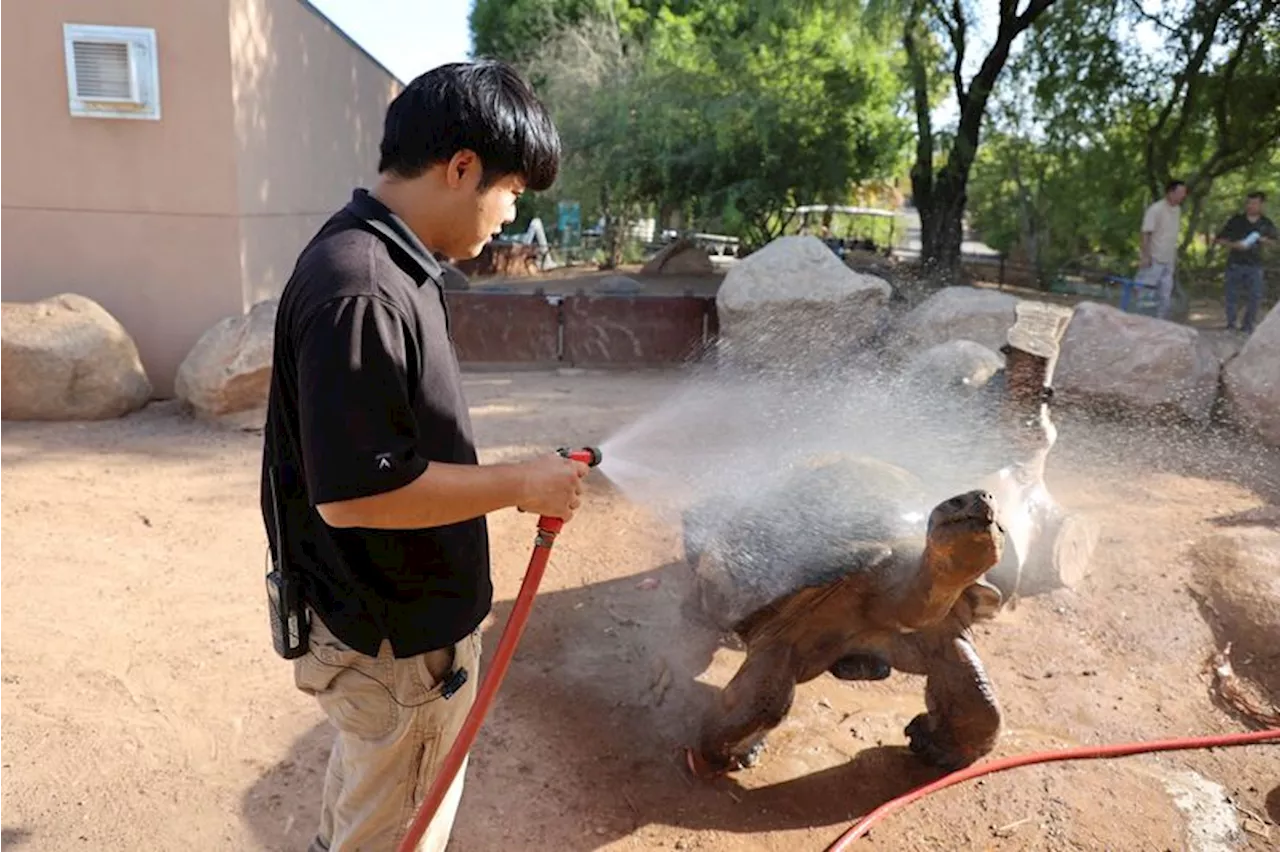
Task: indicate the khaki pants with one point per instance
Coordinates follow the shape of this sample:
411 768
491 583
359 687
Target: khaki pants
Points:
1160 276
394 730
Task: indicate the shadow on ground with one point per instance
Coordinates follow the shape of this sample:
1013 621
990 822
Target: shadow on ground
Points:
584 744
12 838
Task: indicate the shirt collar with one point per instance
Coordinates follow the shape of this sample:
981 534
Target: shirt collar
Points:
364 206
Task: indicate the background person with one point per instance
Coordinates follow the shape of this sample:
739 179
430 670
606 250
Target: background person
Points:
1244 277
1160 226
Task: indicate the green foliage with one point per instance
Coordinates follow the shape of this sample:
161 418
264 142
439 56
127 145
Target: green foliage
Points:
721 111
1111 99
514 30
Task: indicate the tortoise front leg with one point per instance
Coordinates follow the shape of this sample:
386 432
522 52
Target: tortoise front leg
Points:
752 704
963 719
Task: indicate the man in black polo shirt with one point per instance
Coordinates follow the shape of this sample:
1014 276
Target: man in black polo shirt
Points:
368 448
1244 233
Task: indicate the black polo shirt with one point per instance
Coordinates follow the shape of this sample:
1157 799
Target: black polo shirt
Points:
1237 228
365 394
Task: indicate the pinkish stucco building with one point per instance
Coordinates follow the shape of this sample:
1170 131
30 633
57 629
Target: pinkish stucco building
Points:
169 159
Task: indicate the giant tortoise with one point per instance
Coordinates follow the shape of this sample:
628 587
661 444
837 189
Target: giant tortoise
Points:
837 568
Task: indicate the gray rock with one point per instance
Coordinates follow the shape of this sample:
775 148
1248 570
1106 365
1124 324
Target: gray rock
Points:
226 376
1136 363
954 364
1238 572
1251 381
956 313
66 358
793 305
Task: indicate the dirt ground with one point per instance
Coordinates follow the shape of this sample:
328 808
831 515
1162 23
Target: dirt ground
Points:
143 707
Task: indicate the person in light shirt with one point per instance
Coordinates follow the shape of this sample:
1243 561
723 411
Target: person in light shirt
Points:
1160 227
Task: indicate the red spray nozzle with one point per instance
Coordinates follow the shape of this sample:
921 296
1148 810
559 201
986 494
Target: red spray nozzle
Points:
590 456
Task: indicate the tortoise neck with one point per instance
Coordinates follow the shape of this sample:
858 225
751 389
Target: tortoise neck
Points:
931 592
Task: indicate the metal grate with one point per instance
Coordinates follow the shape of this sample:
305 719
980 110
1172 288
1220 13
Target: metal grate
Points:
103 71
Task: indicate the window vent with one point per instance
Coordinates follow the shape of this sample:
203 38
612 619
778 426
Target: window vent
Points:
112 72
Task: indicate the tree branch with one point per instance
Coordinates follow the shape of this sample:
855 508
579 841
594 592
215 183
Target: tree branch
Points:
1034 10
922 171
955 25
1011 26
1147 16
1185 89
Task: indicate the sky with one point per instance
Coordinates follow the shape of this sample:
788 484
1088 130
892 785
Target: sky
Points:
407 36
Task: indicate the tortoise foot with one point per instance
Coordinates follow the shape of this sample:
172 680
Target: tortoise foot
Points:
700 767
709 767
936 747
860 667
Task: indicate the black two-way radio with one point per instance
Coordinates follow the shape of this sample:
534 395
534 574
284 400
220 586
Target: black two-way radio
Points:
290 625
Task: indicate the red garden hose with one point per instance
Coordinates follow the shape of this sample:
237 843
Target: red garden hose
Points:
548 529
862 826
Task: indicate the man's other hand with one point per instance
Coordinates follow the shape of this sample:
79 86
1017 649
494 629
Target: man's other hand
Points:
552 486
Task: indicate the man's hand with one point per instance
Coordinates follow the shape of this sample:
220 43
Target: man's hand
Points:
552 486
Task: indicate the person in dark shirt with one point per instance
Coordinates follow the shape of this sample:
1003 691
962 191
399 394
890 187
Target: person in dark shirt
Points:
371 493
1245 233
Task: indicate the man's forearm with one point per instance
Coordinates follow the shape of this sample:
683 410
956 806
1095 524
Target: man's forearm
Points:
444 494
1146 246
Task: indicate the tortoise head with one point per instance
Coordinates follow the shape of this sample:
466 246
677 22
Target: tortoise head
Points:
965 536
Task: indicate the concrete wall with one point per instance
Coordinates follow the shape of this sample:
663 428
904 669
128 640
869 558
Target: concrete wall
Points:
308 119
137 215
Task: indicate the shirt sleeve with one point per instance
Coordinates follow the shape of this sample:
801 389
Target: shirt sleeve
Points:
1149 219
1225 232
357 375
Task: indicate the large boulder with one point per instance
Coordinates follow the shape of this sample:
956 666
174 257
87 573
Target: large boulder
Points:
1251 381
226 376
66 358
954 364
1136 363
1238 573
957 313
794 305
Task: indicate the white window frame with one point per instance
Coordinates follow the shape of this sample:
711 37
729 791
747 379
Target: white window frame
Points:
144 72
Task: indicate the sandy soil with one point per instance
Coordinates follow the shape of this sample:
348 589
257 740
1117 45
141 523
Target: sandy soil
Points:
143 707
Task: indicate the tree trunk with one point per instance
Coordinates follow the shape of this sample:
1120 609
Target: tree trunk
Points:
941 199
942 231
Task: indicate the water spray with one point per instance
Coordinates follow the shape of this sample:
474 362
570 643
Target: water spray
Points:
548 529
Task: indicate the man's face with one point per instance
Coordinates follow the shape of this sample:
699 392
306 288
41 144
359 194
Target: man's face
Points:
477 213
1177 194
1253 206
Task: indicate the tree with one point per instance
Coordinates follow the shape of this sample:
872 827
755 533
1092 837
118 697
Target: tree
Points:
516 30
1118 96
936 33
726 113
780 107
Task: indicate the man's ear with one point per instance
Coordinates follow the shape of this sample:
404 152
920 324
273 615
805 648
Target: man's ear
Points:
464 167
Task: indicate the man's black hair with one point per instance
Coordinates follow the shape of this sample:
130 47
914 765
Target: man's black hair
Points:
1172 185
1258 194
483 106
